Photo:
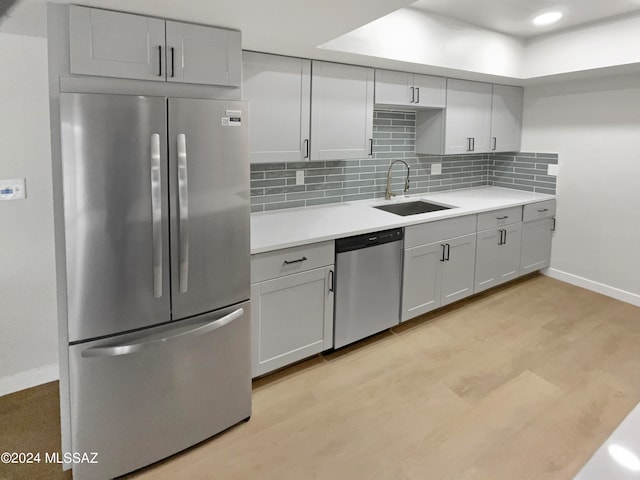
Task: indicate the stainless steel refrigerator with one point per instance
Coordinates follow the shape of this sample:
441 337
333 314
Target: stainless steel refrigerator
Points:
156 212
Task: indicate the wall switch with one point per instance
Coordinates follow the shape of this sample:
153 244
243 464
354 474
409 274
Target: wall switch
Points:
436 169
299 177
12 189
552 170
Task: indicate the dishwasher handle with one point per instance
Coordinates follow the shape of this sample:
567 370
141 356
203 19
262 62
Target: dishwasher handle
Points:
367 240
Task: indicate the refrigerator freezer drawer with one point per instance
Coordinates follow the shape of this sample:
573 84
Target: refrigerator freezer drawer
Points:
141 397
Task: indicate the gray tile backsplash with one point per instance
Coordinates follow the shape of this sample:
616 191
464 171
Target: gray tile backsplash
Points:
273 185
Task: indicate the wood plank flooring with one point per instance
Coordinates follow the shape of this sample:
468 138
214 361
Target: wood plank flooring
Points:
522 382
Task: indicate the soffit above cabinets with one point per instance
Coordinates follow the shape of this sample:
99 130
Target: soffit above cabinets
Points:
515 16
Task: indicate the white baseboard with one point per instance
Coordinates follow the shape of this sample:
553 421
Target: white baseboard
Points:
28 379
613 292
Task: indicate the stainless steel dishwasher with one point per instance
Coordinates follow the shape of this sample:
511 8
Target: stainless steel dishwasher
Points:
367 286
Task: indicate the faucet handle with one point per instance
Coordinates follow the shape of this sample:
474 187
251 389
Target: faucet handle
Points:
406 185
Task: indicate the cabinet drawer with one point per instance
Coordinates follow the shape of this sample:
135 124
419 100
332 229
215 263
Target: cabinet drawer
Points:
537 210
498 218
265 266
430 232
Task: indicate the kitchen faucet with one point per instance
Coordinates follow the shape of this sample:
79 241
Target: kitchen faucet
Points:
388 193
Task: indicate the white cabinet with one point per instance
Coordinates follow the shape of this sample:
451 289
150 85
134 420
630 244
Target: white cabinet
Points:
291 305
478 118
341 111
206 55
115 44
498 247
278 90
440 272
539 223
506 118
409 89
497 256
467 117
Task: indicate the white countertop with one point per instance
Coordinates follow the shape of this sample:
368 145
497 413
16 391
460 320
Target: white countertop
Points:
300 226
619 457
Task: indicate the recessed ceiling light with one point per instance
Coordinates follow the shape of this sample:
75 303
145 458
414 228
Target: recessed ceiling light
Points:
547 18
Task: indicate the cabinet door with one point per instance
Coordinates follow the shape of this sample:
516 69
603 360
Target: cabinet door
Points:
394 88
115 44
429 91
468 116
488 244
508 264
506 118
536 245
458 269
279 92
341 111
206 55
292 318
421 280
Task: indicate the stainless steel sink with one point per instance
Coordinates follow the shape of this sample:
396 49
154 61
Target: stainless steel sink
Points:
411 208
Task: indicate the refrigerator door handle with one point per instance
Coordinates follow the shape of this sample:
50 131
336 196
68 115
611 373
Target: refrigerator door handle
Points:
183 199
129 348
156 213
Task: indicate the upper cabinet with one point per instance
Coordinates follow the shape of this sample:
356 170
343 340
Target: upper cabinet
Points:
506 118
341 111
467 117
409 89
206 55
114 44
478 118
279 92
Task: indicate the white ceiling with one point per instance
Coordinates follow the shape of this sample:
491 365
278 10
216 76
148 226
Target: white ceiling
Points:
513 17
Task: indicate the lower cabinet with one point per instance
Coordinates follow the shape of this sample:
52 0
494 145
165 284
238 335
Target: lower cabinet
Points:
497 256
437 273
291 314
538 224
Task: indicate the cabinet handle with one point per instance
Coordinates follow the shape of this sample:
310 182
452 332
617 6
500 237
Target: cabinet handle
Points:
371 147
468 144
331 280
500 239
159 60
504 217
553 227
494 143
417 95
448 251
413 95
473 144
444 248
289 262
173 67
504 242
543 210
306 148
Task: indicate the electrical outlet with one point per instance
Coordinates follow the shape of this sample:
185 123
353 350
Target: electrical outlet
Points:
552 170
299 177
12 189
436 169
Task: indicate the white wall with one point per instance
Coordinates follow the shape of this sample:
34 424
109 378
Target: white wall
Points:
415 36
603 44
594 125
28 324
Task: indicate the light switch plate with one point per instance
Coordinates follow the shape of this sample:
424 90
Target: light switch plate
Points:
299 177
12 189
436 169
552 170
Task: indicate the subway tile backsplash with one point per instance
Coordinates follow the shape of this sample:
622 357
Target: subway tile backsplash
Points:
273 185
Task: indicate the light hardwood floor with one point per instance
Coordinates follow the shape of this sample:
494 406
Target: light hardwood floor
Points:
521 382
